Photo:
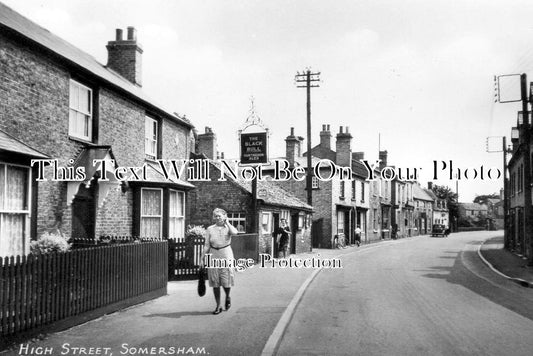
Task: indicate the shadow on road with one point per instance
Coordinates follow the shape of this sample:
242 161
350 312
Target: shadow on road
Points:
178 315
459 274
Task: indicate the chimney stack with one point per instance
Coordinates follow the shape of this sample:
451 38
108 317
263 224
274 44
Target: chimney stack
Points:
325 137
125 56
207 144
293 147
383 157
343 150
358 156
430 185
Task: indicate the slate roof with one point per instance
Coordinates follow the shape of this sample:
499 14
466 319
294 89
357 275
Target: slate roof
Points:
431 193
420 194
298 162
11 144
23 26
473 206
273 193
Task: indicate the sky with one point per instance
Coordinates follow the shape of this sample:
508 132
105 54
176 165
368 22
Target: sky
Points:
415 78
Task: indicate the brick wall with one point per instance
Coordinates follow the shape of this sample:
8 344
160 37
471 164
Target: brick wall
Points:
217 194
34 108
322 204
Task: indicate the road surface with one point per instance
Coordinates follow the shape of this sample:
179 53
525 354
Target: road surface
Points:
421 296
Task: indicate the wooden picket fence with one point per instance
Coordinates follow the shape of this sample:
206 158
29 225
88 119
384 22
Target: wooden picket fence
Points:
184 255
40 290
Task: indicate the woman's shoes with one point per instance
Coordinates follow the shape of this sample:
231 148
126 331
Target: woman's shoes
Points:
218 310
228 303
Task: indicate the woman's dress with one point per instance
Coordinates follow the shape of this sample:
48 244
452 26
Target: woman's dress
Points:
218 243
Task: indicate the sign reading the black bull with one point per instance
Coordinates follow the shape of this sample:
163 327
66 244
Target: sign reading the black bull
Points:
254 148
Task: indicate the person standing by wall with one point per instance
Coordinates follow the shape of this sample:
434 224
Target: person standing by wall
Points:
358 235
283 232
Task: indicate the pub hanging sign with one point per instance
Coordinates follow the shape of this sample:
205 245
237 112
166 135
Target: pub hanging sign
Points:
254 148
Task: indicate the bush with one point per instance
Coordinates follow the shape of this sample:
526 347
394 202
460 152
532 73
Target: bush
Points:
195 231
48 243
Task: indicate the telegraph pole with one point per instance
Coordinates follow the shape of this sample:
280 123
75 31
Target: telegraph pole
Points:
505 187
308 80
505 195
526 135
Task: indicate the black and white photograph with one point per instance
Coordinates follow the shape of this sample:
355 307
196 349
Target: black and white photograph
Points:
252 177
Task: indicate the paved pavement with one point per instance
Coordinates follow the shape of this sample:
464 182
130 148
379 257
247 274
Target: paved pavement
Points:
506 263
183 320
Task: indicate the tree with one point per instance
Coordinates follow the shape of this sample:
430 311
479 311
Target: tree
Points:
483 199
445 193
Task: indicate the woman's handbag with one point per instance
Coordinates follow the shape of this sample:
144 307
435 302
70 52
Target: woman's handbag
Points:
201 281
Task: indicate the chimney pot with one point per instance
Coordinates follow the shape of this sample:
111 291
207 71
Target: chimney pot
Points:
132 34
207 144
341 129
347 129
325 137
292 131
125 57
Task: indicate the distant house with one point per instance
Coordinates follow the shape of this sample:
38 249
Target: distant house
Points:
473 211
441 214
340 203
235 196
59 103
424 213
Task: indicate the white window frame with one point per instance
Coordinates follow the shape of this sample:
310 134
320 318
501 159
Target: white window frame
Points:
237 219
266 222
75 111
151 137
160 216
315 182
340 221
4 211
180 234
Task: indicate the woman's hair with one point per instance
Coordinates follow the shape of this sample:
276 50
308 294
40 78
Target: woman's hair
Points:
220 211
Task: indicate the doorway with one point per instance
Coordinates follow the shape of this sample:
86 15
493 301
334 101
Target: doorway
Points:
275 226
294 230
84 212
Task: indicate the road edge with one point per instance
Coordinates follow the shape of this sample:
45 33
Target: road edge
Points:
520 281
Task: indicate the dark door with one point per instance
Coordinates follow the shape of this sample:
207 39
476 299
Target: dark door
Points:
83 212
294 230
316 233
275 225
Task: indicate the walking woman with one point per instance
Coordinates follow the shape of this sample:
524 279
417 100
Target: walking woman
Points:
218 244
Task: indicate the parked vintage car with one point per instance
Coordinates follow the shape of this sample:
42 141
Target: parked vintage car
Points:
439 229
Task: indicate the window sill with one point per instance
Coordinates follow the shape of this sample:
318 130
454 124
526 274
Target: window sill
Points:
150 159
81 140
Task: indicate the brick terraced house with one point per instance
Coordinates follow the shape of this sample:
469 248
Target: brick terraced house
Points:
340 203
59 103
